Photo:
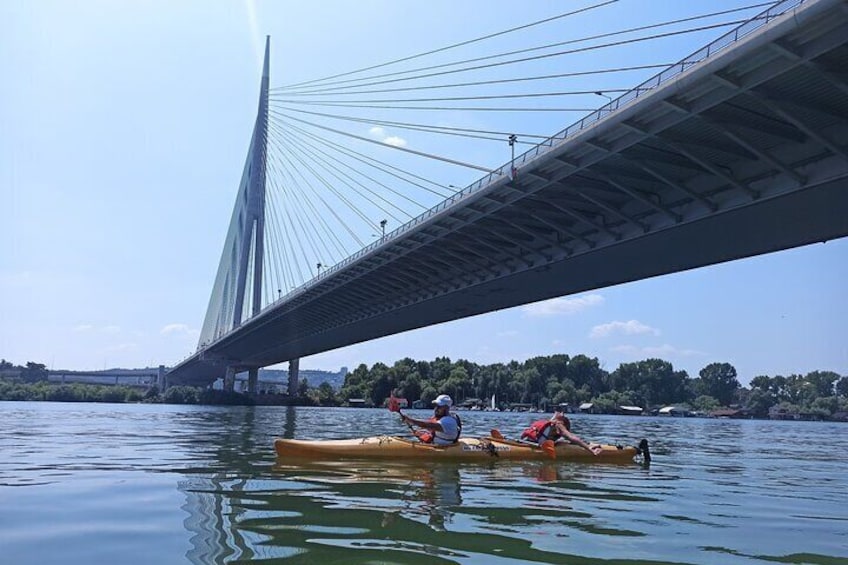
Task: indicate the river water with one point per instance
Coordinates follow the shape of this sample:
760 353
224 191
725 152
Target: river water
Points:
159 484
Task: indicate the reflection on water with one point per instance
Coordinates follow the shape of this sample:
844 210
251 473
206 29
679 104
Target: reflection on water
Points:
163 484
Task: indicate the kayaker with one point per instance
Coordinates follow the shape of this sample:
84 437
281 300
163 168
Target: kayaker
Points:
443 428
558 428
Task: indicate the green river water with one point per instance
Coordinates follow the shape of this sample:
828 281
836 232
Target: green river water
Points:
157 484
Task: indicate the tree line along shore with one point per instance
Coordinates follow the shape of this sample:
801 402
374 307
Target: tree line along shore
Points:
540 383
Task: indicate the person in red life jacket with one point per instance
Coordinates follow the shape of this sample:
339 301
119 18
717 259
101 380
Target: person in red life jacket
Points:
558 428
443 428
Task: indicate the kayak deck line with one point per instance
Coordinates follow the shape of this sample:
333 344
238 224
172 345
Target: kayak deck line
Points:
471 449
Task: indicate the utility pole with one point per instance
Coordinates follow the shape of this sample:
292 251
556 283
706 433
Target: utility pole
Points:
512 139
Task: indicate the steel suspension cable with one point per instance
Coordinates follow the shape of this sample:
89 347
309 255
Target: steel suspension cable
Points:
337 160
425 129
407 125
455 45
326 205
307 236
443 108
329 187
333 173
331 238
331 209
419 153
365 159
527 59
483 82
459 98
291 232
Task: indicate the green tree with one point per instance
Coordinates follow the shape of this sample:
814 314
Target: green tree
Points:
719 381
761 382
842 387
181 395
652 382
705 403
356 384
583 370
822 382
325 395
382 383
34 372
457 383
303 388
410 387
609 402
759 402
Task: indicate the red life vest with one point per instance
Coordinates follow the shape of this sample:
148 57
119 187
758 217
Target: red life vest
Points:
538 429
426 436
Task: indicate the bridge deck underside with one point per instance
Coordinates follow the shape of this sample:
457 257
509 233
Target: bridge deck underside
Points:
744 154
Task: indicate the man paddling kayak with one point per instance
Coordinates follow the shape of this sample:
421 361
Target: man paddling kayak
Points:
443 428
558 428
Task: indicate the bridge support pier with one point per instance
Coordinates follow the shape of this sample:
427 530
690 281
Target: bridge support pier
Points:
294 371
252 380
161 382
230 379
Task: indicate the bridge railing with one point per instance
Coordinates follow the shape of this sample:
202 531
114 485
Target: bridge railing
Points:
716 46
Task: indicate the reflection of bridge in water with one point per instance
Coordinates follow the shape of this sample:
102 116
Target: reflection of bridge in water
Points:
738 150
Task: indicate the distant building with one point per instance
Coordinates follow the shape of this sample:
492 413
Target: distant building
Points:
630 410
728 413
675 411
587 407
779 412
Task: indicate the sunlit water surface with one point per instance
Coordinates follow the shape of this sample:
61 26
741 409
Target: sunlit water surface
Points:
126 484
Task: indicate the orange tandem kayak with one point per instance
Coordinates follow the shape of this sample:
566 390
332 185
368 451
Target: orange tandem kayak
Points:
470 449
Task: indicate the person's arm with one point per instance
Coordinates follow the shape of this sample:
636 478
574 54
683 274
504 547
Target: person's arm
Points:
594 450
426 424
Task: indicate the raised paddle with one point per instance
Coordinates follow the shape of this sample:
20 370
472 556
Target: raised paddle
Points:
393 404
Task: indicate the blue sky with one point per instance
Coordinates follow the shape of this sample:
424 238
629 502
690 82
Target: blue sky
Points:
123 133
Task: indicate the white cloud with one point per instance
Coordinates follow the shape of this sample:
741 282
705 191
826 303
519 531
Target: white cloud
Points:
383 136
180 330
631 327
111 329
563 306
174 329
83 328
395 141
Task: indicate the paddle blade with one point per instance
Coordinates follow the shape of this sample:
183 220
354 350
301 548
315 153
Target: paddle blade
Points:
549 448
496 433
393 404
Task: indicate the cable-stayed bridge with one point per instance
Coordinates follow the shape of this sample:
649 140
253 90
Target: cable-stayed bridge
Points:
737 150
